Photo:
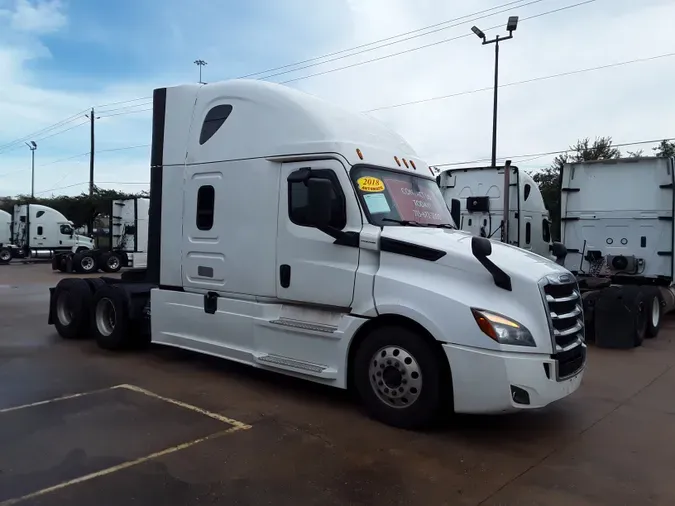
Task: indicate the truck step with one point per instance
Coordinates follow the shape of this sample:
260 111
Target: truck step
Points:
290 364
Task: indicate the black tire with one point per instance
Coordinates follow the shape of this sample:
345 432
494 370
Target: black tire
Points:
653 312
5 256
95 284
110 318
55 263
85 262
399 345
71 307
110 262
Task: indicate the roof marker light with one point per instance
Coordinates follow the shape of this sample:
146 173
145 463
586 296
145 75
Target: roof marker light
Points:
413 165
358 152
397 161
405 163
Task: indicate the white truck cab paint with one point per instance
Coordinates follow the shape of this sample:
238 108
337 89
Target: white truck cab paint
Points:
5 237
478 193
291 235
39 231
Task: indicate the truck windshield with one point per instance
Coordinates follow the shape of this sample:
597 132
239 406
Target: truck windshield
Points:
394 198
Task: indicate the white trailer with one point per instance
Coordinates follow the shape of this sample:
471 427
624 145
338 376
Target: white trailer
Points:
475 196
617 225
5 237
40 232
291 235
127 241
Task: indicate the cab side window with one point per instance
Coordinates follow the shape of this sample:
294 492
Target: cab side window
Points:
298 201
546 230
66 230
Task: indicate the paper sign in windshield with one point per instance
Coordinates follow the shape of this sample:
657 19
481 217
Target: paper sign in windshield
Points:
370 184
415 205
377 203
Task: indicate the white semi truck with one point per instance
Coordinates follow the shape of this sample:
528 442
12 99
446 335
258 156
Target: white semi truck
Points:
291 235
5 237
617 225
476 197
126 244
40 232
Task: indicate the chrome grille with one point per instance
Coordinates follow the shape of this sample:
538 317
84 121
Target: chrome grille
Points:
566 320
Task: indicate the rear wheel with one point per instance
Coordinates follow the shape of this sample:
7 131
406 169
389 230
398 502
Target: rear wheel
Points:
111 262
85 262
111 318
5 255
71 308
399 377
653 310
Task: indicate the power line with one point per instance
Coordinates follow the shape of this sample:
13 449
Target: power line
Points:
128 112
406 39
126 107
547 153
127 183
384 57
342 51
526 81
122 102
12 148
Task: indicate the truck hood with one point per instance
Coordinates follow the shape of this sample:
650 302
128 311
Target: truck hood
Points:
516 262
83 238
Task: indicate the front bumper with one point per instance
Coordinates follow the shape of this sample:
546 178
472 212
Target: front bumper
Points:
486 381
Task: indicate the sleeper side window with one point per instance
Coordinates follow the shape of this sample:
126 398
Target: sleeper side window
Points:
527 191
39 230
206 197
298 201
213 121
546 230
528 232
39 214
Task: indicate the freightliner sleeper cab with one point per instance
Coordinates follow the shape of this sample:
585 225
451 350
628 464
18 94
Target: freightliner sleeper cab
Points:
294 236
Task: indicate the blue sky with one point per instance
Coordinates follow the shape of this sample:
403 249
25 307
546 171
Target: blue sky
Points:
61 57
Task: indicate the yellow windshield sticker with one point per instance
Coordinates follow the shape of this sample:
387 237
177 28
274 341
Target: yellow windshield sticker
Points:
370 184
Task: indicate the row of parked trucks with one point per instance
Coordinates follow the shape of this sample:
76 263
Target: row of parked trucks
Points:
37 232
293 236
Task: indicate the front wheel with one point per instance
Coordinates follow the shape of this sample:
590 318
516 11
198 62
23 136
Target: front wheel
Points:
399 376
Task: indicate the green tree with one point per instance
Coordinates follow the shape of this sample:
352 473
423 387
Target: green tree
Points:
548 179
665 149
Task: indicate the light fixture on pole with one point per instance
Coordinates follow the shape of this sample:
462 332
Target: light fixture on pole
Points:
200 64
511 26
32 146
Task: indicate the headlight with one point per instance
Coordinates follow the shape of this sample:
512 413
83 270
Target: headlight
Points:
502 329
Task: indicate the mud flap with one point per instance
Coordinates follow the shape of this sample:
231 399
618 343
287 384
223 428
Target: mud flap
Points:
50 318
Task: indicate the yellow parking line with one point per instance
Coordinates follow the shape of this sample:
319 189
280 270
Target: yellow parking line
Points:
56 399
124 465
216 416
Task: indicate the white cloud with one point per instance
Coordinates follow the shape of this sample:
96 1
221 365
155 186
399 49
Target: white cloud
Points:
624 102
38 17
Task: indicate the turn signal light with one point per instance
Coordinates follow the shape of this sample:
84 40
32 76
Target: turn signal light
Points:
358 152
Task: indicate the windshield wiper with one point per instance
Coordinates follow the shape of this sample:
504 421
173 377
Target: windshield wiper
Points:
407 223
443 225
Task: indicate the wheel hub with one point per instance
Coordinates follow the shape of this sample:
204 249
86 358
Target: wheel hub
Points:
4 255
87 263
63 310
106 317
656 312
395 376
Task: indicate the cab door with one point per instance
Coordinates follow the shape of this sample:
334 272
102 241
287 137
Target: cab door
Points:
311 268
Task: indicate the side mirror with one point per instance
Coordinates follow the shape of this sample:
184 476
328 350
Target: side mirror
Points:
481 247
320 194
559 252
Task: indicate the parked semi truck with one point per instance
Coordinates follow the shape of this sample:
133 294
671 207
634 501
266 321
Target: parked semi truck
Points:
5 237
125 246
617 225
290 235
476 197
40 232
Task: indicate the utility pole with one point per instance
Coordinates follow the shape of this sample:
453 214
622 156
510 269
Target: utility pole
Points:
32 146
91 117
511 26
200 64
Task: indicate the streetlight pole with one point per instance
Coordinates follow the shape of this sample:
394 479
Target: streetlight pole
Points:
511 26
200 64
32 146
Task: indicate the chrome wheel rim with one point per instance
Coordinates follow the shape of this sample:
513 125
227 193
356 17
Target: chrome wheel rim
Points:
656 312
87 263
113 262
63 310
5 255
395 377
106 317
